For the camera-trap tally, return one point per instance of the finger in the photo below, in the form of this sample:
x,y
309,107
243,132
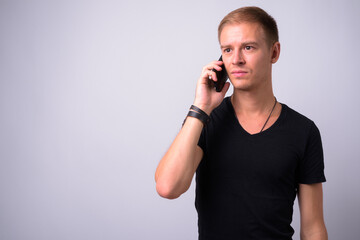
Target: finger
x,y
213,65
212,75
208,74
217,65
225,88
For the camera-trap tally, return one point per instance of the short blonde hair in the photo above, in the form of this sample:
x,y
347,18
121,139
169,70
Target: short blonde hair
x,y
252,15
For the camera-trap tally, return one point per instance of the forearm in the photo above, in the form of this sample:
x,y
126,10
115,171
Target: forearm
x,y
311,212
320,234
176,169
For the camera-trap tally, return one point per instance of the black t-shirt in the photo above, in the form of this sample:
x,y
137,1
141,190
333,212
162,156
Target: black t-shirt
x,y
246,184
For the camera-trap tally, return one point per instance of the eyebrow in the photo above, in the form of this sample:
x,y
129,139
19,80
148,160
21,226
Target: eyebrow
x,y
242,44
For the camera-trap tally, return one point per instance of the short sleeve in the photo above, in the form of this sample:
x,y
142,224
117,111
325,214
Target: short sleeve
x,y
202,140
311,169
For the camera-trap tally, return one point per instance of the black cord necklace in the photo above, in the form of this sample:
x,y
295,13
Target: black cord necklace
x,y
269,116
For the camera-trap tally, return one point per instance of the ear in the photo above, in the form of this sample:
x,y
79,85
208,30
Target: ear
x,y
275,52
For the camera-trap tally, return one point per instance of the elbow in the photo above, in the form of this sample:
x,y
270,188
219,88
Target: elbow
x,y
166,191
315,231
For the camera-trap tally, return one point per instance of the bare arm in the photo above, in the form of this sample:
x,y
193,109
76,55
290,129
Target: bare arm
x,y
311,212
176,169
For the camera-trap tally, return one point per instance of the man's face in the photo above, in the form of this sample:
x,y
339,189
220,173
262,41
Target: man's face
x,y
247,55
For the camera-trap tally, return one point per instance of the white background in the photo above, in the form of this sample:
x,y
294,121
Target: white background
x,y
93,92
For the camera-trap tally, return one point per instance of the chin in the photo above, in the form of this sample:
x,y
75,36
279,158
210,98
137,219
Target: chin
x,y
241,84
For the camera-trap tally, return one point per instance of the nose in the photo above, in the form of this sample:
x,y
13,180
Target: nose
x,y
238,58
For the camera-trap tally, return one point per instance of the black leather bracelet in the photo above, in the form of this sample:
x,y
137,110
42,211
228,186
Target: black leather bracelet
x,y
199,114
198,110
203,118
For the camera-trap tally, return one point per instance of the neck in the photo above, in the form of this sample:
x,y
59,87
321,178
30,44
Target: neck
x,y
251,103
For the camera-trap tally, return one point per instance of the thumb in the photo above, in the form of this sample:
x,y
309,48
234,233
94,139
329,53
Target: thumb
x,y
225,88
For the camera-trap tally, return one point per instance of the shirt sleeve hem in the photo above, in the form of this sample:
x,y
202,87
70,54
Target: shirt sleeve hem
x,y
313,180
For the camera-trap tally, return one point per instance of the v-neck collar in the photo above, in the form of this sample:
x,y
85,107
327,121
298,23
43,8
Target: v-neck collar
x,y
269,129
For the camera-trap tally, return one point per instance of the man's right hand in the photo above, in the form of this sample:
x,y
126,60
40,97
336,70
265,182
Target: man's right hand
x,y
206,97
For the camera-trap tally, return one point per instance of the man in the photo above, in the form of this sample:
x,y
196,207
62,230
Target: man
x,y
253,155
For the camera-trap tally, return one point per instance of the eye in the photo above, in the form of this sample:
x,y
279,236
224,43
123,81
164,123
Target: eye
x,y
249,48
227,50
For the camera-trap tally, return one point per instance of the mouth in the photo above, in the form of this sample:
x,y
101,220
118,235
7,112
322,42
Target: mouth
x,y
238,73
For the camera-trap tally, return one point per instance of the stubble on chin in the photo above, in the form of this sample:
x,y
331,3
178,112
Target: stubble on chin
x,y
243,85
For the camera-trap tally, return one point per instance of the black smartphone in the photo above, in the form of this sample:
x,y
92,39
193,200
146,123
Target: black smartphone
x,y
221,77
